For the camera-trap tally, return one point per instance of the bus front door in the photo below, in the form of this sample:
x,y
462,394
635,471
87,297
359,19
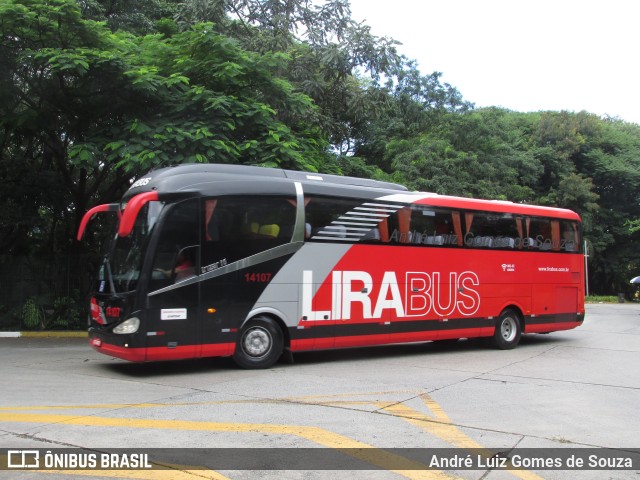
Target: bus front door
x,y
173,323
173,320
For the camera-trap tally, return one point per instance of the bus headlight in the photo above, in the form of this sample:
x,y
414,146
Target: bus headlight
x,y
128,326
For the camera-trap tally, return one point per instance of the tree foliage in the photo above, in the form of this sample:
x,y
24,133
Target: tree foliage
x,y
89,109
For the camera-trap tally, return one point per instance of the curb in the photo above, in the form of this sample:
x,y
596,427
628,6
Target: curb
x,y
52,334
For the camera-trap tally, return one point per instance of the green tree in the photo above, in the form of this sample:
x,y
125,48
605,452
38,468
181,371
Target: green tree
x,y
479,153
412,105
136,16
591,165
89,110
334,60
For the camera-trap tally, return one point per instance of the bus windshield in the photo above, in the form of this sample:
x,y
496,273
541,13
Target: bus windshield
x,y
121,267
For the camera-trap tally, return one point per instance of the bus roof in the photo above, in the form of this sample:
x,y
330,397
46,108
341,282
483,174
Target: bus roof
x,y
182,177
463,203
196,176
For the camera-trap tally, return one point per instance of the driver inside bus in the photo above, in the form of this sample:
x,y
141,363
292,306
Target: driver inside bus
x,y
184,268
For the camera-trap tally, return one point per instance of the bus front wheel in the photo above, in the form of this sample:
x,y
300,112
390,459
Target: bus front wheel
x,y
260,343
508,330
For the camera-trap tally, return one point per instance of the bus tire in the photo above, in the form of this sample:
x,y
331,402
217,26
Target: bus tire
x,y
508,330
260,344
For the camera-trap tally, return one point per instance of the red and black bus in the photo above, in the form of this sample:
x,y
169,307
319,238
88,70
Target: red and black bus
x,y
225,260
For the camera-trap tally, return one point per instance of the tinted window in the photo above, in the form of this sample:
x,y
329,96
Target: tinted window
x,y
371,221
237,227
547,234
421,225
348,219
177,251
491,230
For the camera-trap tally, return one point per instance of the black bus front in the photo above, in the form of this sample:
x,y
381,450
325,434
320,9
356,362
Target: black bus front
x,y
117,299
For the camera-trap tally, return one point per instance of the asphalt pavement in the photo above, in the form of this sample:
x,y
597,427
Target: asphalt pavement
x,y
381,410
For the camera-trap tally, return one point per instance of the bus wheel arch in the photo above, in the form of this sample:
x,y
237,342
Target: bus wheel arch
x,y
508,329
260,343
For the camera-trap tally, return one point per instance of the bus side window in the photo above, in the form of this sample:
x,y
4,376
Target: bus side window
x,y
540,232
570,236
492,230
344,220
429,226
237,227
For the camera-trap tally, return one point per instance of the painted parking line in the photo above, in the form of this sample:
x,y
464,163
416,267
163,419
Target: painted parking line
x,y
437,424
359,450
442,427
310,400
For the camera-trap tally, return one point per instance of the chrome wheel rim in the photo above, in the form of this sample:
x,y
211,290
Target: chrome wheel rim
x,y
508,329
256,342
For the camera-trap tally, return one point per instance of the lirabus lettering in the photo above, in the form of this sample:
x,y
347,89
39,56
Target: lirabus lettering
x,y
420,294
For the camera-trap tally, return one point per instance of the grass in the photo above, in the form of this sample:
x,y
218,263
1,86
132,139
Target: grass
x,y
601,299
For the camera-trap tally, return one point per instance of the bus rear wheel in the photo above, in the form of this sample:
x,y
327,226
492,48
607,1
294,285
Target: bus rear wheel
x,y
260,343
508,330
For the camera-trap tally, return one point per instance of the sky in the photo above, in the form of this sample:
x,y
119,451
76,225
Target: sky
x,y
522,55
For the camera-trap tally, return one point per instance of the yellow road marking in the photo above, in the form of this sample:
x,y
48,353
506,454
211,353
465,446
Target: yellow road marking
x,y
55,334
441,426
351,395
112,406
360,450
311,399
